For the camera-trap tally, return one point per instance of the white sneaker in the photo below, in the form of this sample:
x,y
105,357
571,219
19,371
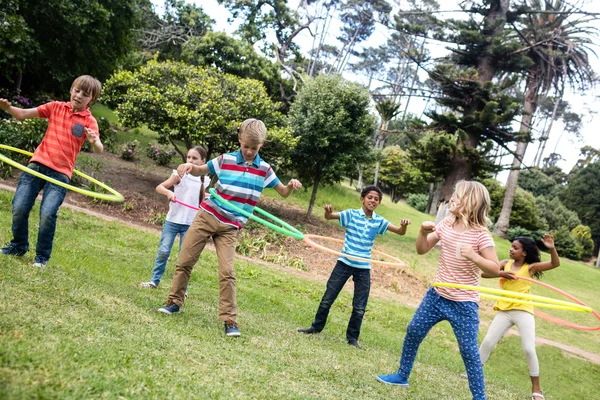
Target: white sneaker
x,y
39,264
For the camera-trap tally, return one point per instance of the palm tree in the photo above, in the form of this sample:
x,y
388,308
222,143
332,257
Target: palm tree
x,y
387,109
559,50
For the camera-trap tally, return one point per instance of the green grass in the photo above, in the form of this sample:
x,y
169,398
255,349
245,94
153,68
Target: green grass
x,y
81,328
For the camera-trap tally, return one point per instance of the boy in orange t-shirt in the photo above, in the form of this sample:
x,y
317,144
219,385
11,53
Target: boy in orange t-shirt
x,y
69,125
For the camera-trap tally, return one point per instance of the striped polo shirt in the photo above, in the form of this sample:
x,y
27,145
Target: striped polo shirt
x,y
64,137
453,268
240,183
360,235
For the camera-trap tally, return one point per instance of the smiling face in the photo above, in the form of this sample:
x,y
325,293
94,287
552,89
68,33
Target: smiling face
x,y
370,201
194,157
79,99
516,251
249,149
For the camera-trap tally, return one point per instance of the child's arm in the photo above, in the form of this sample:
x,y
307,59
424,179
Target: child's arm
x,y
94,140
162,188
18,113
487,260
192,169
426,238
285,191
501,273
329,214
554,262
399,230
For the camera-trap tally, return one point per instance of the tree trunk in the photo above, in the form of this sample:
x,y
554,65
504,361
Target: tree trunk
x,y
313,195
379,146
359,183
547,132
529,107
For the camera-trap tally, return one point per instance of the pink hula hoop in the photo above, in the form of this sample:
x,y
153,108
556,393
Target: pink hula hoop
x,y
559,321
185,204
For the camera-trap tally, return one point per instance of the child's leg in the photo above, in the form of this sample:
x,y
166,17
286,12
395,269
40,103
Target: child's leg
x,y
526,324
500,324
167,238
426,316
338,278
464,318
362,286
203,227
28,188
52,198
225,241
182,231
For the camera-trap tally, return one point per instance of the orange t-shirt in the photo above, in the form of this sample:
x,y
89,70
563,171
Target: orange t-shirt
x,y
64,137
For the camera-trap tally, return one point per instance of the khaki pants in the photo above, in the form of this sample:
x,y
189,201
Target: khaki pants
x,y
224,237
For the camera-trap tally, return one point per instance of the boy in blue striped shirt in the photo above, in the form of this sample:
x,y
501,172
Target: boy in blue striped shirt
x,y
362,225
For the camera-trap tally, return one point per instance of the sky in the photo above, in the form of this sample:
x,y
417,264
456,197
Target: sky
x,y
566,145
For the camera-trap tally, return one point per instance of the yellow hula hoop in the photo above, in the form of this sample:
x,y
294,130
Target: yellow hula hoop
x,y
508,295
532,303
115,196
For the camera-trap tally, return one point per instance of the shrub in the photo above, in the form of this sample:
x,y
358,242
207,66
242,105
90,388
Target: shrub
x,y
566,245
24,135
583,235
128,150
519,231
417,201
160,155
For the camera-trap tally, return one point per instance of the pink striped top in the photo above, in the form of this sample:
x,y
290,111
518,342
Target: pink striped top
x,y
455,269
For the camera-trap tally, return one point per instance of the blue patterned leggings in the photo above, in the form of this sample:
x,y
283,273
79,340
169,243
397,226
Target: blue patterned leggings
x,y
464,319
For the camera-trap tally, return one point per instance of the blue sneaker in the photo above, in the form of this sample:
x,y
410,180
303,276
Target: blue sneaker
x,y
11,250
231,328
171,308
392,379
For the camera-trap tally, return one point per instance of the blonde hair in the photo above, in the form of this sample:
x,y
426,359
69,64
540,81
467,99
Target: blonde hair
x,y
252,130
472,204
88,84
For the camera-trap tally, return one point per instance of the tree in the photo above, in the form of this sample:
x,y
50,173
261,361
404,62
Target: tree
x,y
559,57
387,109
581,196
193,104
331,120
399,175
537,182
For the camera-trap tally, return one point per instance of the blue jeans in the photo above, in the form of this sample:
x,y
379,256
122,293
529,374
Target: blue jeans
x,y
167,238
28,188
464,319
362,285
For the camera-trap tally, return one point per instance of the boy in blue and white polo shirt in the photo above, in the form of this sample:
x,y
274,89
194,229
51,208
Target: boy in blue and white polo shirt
x,y
362,225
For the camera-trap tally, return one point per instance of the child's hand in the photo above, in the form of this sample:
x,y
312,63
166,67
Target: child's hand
x,y
295,184
183,169
427,227
548,241
506,275
328,210
467,252
405,222
4,105
170,195
91,135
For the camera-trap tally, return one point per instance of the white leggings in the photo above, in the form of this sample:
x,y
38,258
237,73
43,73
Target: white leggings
x,y
501,323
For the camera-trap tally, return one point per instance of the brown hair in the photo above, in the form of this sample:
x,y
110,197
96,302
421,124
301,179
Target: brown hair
x,y
472,204
88,84
252,130
201,150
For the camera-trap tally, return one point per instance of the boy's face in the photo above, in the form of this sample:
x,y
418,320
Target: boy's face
x,y
80,99
249,149
370,201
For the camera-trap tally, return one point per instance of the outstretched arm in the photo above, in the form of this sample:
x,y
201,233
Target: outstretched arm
x,y
285,190
501,273
18,113
426,238
329,214
401,230
554,262
192,169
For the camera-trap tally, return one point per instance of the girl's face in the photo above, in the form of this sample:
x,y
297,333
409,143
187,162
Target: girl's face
x,y
454,202
516,251
195,158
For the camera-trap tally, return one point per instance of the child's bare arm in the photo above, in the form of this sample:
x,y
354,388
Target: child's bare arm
x,y
426,238
285,190
400,230
487,260
94,140
554,262
501,273
162,188
18,113
192,169
329,214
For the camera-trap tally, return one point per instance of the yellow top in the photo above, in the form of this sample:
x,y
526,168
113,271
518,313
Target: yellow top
x,y
515,285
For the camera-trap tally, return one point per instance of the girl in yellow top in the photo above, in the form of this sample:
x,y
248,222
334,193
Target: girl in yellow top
x,y
525,262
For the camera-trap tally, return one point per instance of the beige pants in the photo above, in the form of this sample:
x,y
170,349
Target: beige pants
x,y
224,237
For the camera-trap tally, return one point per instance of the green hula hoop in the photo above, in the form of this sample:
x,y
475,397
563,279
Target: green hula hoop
x,y
115,196
285,228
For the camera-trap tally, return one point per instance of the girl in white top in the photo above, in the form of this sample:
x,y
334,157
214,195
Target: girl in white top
x,y
188,189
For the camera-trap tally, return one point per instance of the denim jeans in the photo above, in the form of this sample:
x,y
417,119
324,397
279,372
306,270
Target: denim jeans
x,y
167,238
362,285
28,188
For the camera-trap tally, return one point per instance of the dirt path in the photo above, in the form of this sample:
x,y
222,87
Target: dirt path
x,y
382,293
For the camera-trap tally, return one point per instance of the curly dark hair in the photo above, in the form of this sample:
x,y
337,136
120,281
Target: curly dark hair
x,y
532,253
372,188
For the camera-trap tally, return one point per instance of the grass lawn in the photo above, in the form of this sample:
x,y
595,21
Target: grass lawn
x,y
81,328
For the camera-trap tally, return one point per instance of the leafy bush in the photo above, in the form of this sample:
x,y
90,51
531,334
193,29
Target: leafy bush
x,y
417,201
24,135
519,231
554,213
525,211
583,235
128,150
566,245
160,155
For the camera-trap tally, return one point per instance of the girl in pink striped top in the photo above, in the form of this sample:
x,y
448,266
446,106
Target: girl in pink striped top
x,y
467,249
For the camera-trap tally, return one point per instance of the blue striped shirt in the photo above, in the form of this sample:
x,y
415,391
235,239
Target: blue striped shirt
x,y
240,183
360,235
